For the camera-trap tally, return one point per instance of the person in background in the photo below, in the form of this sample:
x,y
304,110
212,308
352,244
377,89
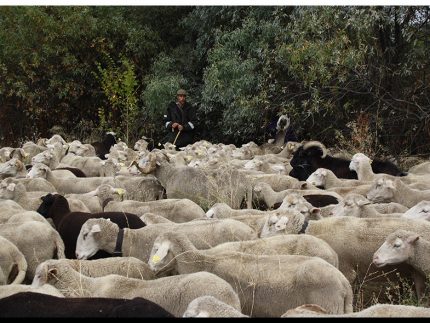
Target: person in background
x,y
180,121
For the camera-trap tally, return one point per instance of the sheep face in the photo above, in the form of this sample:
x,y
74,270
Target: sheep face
x,y
298,203
382,190
419,211
44,157
11,167
86,244
38,170
41,275
161,260
357,160
351,206
397,248
318,178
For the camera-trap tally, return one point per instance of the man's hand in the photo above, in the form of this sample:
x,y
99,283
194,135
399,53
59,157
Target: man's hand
x,y
174,125
180,127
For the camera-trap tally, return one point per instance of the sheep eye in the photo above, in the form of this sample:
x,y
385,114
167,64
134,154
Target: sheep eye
x,y
396,245
85,235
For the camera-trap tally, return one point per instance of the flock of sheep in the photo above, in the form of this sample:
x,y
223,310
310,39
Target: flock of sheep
x,y
210,230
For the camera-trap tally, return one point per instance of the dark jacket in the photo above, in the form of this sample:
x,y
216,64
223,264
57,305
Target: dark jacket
x,y
186,117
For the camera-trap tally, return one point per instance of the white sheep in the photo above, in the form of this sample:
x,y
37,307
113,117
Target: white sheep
x,y
102,234
420,211
7,208
363,236
140,188
36,240
286,244
297,202
18,193
13,265
387,190
265,193
152,218
420,169
209,306
325,178
125,266
223,211
32,149
205,187
177,210
362,164
358,206
172,293
377,310
404,246
96,199
259,280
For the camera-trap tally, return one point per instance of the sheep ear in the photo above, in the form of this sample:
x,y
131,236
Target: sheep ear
x,y
315,210
161,252
52,272
412,238
95,228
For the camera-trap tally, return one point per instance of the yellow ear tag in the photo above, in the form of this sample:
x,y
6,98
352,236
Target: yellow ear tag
x,y
155,259
120,191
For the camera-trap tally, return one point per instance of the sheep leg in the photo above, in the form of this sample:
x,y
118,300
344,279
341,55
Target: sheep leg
x,y
249,197
419,280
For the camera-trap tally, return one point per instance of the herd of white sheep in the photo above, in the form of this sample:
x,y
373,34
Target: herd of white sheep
x,y
228,232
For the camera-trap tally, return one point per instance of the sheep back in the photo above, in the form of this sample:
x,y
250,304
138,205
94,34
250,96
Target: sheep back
x,y
29,304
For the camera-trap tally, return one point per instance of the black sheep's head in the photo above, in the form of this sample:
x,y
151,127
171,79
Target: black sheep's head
x,y
47,201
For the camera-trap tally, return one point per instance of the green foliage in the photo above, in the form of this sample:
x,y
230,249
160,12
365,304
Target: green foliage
x,y
325,66
119,84
162,84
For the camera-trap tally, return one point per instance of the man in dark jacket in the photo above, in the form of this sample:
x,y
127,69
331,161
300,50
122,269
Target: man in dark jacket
x,y
180,121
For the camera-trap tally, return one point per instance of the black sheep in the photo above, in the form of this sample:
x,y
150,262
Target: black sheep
x,y
76,171
28,304
68,224
103,147
312,155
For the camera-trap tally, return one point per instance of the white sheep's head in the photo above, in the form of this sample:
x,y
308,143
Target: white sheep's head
x,y
38,170
11,167
419,211
318,178
41,275
160,259
351,205
357,160
89,237
381,191
397,248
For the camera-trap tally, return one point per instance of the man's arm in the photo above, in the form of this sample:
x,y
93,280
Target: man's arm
x,y
168,118
191,124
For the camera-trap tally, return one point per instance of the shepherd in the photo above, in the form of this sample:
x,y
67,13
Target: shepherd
x,y
180,120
